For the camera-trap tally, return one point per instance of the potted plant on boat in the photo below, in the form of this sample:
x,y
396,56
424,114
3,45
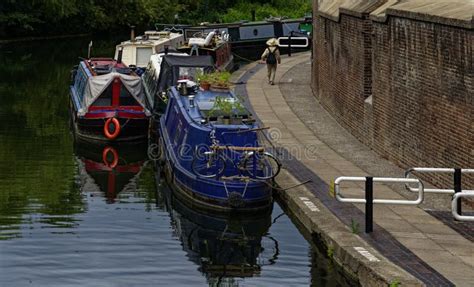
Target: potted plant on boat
x,y
227,112
220,81
204,80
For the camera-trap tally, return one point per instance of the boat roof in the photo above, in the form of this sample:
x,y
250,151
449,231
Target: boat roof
x,y
151,39
190,61
205,102
102,66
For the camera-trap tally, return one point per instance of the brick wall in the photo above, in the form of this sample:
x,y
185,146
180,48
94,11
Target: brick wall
x,y
420,76
344,62
423,94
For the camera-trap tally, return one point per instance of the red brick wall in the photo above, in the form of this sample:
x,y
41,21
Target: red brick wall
x,y
423,95
344,52
421,78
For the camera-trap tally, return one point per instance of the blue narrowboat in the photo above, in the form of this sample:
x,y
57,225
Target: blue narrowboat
x,y
212,153
107,102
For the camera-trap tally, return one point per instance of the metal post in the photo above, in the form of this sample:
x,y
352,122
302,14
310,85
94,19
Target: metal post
x,y
369,204
289,44
458,187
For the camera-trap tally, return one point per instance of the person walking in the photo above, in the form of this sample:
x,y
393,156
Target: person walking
x,y
271,56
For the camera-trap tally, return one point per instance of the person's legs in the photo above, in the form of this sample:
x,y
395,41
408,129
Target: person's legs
x,y
273,72
269,72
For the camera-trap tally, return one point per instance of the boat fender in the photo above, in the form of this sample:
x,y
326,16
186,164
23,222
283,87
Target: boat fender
x,y
115,159
112,135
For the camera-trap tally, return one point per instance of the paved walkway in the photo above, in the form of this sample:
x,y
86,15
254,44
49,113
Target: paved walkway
x,y
408,236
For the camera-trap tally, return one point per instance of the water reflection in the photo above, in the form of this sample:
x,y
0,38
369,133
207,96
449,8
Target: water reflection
x,y
223,247
109,169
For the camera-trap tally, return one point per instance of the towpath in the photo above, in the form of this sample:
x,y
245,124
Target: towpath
x,y
414,245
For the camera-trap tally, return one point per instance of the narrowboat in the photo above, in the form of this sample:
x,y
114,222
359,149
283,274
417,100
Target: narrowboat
x,y
138,50
107,102
212,153
245,35
215,44
108,170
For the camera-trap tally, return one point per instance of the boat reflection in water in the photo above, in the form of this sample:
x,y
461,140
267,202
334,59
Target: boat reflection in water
x,y
110,168
225,247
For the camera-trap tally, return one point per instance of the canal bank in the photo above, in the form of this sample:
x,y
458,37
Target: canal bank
x,y
408,245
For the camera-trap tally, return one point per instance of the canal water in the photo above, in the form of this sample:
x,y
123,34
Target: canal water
x,y
67,218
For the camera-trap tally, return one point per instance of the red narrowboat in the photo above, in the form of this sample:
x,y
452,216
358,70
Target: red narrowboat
x,y
107,102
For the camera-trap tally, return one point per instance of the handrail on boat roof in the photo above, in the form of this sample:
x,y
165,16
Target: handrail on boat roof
x,y
238,148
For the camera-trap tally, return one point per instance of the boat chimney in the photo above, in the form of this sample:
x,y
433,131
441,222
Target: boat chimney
x,y
167,48
119,57
253,15
89,50
132,33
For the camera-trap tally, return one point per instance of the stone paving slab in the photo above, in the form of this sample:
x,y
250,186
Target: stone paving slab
x,y
407,229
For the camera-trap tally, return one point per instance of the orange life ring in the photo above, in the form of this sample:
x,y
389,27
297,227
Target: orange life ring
x,y
115,159
107,132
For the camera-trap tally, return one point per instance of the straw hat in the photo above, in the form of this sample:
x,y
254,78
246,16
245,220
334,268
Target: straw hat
x,y
272,42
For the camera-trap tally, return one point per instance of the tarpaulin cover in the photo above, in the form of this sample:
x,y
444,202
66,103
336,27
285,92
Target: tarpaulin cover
x,y
96,86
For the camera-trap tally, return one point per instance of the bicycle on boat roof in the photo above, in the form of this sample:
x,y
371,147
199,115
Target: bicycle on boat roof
x,y
254,162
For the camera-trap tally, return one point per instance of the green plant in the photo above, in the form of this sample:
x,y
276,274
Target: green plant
x,y
354,226
223,107
395,283
203,77
220,79
330,252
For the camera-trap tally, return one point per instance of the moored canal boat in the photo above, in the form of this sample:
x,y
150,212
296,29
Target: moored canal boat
x,y
138,50
212,152
215,44
107,102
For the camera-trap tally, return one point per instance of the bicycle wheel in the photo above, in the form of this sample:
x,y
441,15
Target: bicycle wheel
x,y
208,164
261,165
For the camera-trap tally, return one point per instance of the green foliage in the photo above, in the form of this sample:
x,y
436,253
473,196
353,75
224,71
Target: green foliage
x,y
223,107
220,79
395,283
55,17
354,226
330,252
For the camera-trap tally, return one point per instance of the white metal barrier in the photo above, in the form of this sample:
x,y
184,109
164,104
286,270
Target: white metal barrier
x,y
455,206
458,192
409,172
294,39
369,190
417,201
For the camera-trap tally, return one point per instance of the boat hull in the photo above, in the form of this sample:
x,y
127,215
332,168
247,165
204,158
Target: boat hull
x,y
132,129
212,194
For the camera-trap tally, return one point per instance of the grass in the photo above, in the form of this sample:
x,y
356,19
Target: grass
x,y
355,226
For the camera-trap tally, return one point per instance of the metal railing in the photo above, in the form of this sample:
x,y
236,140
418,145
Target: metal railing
x,y
455,206
457,184
457,174
369,190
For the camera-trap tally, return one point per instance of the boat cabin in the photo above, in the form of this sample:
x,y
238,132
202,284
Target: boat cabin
x,y
137,51
164,71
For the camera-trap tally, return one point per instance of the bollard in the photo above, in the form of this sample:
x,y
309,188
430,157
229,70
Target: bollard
x,y
369,204
289,44
458,187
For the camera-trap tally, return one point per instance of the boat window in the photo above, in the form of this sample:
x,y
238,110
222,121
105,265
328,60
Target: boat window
x,y
105,99
143,55
149,80
80,83
190,73
126,99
